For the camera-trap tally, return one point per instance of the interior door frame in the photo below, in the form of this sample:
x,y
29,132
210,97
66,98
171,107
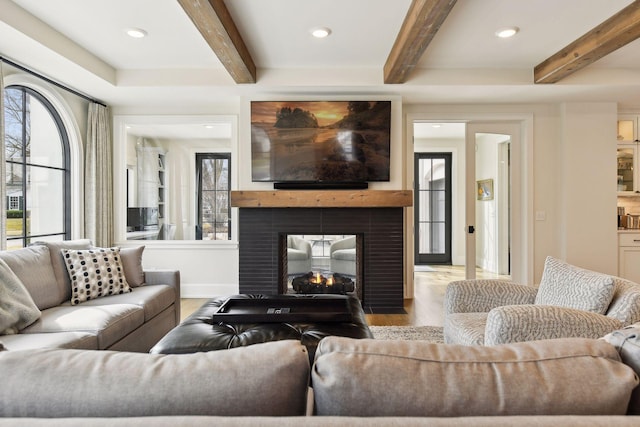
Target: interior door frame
x,y
502,128
524,220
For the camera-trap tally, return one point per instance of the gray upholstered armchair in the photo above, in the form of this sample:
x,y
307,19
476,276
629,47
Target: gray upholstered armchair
x,y
570,302
342,254
299,258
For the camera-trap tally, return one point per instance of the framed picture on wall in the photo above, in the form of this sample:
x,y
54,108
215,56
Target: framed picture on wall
x,y
485,189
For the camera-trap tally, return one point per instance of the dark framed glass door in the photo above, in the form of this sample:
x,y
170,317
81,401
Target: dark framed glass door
x,y
432,208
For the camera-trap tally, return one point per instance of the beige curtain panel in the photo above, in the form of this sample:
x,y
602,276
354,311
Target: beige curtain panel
x,y
98,186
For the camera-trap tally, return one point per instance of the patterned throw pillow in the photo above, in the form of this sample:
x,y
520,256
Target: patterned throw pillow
x,y
95,273
565,285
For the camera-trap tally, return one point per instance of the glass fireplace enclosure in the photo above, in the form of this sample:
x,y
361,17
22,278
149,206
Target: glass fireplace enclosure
x,y
320,258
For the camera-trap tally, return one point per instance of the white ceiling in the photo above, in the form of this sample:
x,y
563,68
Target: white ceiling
x,y
81,43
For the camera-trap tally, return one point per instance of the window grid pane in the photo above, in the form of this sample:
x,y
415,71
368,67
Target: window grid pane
x,y
213,192
432,199
37,197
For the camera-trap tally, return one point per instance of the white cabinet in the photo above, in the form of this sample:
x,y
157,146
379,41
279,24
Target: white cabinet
x,y
628,128
627,158
627,168
629,255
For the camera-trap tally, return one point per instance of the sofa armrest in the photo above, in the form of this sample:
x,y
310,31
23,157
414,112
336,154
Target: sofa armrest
x,y
165,277
300,244
346,243
517,323
482,295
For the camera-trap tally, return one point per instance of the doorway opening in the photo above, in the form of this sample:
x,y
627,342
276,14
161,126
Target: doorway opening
x,y
463,197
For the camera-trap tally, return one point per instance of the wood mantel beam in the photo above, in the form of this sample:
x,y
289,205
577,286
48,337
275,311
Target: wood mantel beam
x,y
420,26
612,34
212,19
322,199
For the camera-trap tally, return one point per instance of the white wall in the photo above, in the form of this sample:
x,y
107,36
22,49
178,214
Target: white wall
x,y
206,270
588,227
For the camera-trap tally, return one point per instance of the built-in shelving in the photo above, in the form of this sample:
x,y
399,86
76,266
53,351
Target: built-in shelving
x,y
161,185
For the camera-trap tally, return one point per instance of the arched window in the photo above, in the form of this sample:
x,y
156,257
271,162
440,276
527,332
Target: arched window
x,y
37,177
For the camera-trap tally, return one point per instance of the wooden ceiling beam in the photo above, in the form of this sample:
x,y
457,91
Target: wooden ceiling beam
x,y
213,20
421,24
612,34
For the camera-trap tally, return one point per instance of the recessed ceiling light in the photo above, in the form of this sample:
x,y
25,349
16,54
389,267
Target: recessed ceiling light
x,y
136,33
321,32
436,125
506,32
209,126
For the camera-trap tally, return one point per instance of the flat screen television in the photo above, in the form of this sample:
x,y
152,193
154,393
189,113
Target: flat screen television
x,y
320,141
139,219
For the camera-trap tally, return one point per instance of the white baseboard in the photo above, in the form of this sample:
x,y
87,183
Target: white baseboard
x,y
201,290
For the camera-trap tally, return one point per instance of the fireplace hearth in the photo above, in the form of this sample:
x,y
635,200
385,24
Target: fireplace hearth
x,y
382,283
375,215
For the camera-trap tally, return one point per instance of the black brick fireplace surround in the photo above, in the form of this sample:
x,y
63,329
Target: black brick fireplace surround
x,y
381,230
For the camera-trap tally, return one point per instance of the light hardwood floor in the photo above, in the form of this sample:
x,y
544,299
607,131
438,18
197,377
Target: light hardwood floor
x,y
424,309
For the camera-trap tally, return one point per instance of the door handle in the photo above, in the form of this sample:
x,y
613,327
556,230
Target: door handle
x,y
472,229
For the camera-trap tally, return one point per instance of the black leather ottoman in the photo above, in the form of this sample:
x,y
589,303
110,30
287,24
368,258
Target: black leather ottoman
x,y
199,332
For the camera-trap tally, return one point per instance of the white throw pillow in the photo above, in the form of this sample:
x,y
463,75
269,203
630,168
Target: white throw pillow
x,y
565,285
95,273
17,309
132,263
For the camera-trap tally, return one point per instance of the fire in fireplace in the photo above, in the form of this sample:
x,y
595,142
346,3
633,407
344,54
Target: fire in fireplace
x,y
311,283
328,264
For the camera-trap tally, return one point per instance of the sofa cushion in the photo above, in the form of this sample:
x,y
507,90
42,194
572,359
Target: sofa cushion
x,y
33,267
571,376
58,264
77,340
152,299
465,328
566,285
109,322
269,379
17,309
132,263
95,273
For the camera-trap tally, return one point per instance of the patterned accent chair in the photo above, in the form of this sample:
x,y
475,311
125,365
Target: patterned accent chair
x,y
569,302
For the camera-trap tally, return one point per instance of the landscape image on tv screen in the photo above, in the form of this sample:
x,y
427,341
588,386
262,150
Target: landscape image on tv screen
x,y
327,141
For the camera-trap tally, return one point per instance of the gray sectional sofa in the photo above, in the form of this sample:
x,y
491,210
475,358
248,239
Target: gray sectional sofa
x,y
131,321
568,382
